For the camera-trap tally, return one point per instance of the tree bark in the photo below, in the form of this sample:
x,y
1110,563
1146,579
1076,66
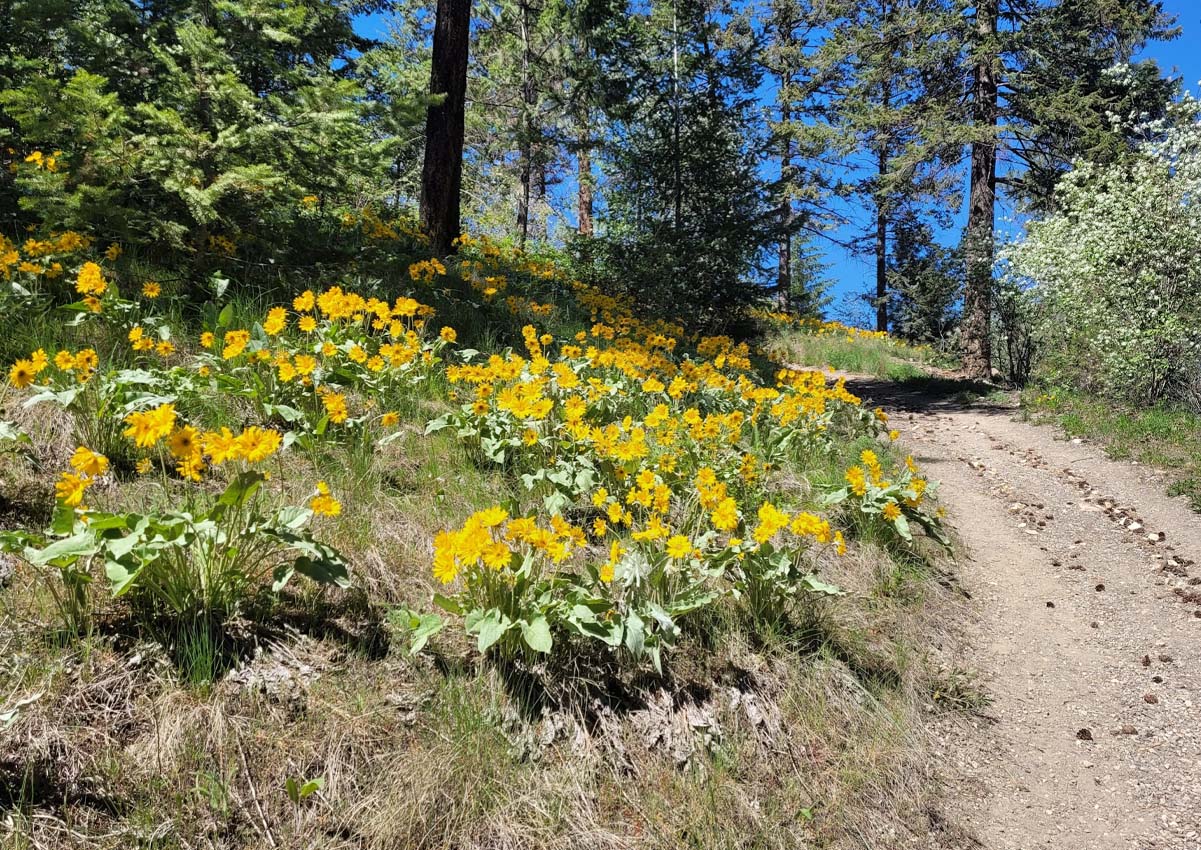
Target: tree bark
x,y
584,171
442,170
526,152
784,260
881,259
982,192
882,210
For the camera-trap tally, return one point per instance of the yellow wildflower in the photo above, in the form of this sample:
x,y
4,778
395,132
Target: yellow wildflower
x,y
87,462
323,504
21,374
147,427
70,487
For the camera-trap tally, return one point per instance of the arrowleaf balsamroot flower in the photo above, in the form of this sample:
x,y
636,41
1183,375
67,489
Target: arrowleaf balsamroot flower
x,y
147,427
323,504
87,462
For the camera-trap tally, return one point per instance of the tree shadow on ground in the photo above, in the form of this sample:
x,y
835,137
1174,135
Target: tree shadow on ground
x,y
934,394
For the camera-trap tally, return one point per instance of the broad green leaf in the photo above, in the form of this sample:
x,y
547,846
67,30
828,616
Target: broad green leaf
x,y
311,787
447,604
815,584
284,412
426,627
491,628
537,634
325,570
241,488
10,432
63,551
119,547
635,634
292,517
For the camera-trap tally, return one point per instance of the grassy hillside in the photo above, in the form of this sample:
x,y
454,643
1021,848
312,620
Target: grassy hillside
x,y
425,555
833,345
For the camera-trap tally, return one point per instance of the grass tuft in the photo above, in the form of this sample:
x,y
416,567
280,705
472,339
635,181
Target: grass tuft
x,y
1161,436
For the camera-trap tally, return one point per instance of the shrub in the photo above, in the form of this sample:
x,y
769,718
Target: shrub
x,y
1114,269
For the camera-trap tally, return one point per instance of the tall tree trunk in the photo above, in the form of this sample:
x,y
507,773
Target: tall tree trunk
x,y
584,171
442,170
526,152
784,259
677,187
881,261
541,223
882,210
982,192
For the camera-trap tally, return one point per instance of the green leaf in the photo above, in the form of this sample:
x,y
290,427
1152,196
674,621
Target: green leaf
x,y
437,424
226,315
241,489
491,627
10,432
63,520
120,577
815,584
281,575
448,605
292,517
426,627
98,521
284,412
119,547
328,568
537,634
635,634
61,552
17,541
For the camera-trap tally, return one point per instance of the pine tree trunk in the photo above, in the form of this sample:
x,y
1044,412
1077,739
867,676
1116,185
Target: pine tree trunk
x,y
584,170
784,260
526,152
881,267
882,230
982,191
442,170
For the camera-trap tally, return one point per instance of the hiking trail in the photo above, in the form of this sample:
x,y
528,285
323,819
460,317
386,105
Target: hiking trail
x,y
1085,632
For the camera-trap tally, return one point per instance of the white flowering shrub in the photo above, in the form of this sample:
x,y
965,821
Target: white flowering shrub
x,y
1116,271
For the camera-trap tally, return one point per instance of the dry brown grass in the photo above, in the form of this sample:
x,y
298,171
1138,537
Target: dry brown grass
x,y
810,737
813,739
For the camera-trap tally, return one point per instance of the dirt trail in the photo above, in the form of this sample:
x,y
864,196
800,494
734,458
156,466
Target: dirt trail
x,y
1087,634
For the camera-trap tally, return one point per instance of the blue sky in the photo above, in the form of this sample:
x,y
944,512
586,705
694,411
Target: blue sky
x,y
852,274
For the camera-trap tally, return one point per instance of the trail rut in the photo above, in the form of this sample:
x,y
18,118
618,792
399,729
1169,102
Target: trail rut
x,y
1086,633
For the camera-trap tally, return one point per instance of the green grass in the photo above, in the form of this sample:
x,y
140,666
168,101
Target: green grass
x,y
880,358
1161,436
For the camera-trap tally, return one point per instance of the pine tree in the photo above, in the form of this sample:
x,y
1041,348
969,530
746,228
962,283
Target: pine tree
x,y
801,132
1042,92
686,218
181,119
896,105
925,284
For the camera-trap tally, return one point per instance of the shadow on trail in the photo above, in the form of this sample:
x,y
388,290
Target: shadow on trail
x,y
933,394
